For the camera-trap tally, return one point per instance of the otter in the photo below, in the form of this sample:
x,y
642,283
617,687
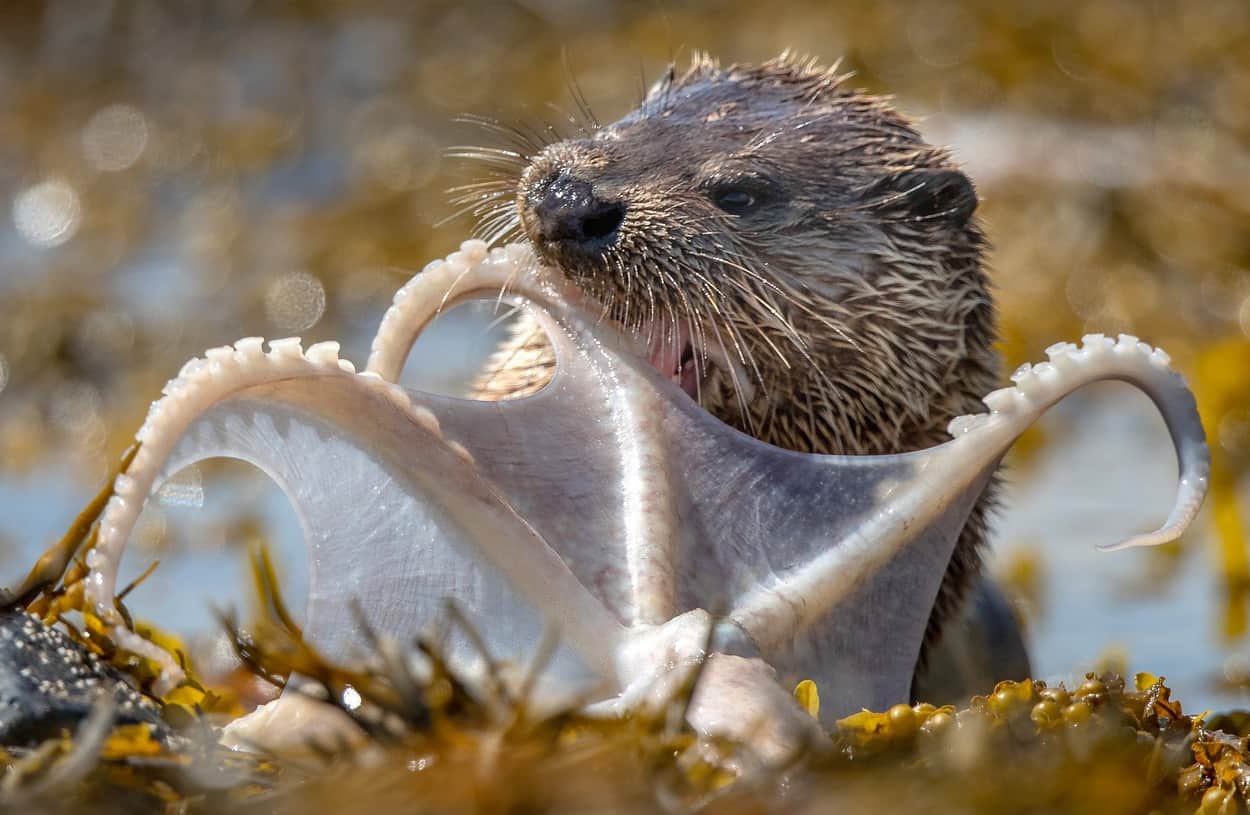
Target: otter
x,y
797,257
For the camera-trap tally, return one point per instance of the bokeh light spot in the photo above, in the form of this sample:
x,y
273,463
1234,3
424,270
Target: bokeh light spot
x,y
105,335
1233,432
295,302
115,138
48,213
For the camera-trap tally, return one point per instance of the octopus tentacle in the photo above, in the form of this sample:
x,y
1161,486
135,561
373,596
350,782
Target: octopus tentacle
x,y
777,610
226,373
473,271
1127,359
200,383
608,502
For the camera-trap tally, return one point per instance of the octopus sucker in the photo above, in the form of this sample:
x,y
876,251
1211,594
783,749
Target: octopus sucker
x,y
608,505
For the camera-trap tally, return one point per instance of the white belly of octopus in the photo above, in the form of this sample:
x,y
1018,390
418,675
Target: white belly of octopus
x,y
609,505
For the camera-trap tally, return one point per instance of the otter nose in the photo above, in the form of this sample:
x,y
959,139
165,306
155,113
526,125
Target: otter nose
x,y
571,215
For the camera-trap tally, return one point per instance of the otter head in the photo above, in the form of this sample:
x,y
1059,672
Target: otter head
x,y
793,252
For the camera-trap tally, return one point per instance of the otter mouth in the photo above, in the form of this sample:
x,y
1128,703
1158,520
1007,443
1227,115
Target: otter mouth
x,y
672,353
681,354
684,351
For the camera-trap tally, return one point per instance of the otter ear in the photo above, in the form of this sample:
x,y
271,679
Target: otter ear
x,y
946,196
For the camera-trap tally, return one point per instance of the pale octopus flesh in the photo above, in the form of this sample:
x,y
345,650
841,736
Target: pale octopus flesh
x,y
609,506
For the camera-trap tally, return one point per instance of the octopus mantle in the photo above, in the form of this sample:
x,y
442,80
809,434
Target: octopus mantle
x,y
609,505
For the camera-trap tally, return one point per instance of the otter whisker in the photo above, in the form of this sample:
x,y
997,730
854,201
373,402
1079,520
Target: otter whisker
x,y
627,272
624,276
816,373
552,132
744,288
479,206
791,298
490,219
670,313
476,152
507,131
578,126
482,193
492,200
483,207
502,318
785,325
451,289
468,209
622,273
486,207
668,308
696,334
748,361
497,209
494,182
497,221
649,294
507,282
609,303
504,233
754,275
748,358
502,363
708,289
546,136
696,323
579,98
657,98
499,163
505,182
698,356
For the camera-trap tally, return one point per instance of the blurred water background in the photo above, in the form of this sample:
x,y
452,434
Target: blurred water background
x,y
176,174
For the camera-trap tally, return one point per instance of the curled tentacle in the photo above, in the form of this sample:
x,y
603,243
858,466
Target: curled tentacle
x,y
381,421
1038,387
200,383
470,270
609,502
936,492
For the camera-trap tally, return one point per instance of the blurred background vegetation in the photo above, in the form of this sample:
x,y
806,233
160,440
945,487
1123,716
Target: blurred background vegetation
x,y
175,174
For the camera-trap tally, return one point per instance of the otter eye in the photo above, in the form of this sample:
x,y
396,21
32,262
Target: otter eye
x,y
735,200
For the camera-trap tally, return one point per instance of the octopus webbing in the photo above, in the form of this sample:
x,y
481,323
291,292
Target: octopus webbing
x,y
608,505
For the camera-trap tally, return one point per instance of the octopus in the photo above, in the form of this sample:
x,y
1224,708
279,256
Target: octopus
x,y
608,508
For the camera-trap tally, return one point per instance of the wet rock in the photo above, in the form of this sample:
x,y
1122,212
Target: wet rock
x,y
48,683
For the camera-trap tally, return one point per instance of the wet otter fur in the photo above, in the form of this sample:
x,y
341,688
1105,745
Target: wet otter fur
x,y
800,260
